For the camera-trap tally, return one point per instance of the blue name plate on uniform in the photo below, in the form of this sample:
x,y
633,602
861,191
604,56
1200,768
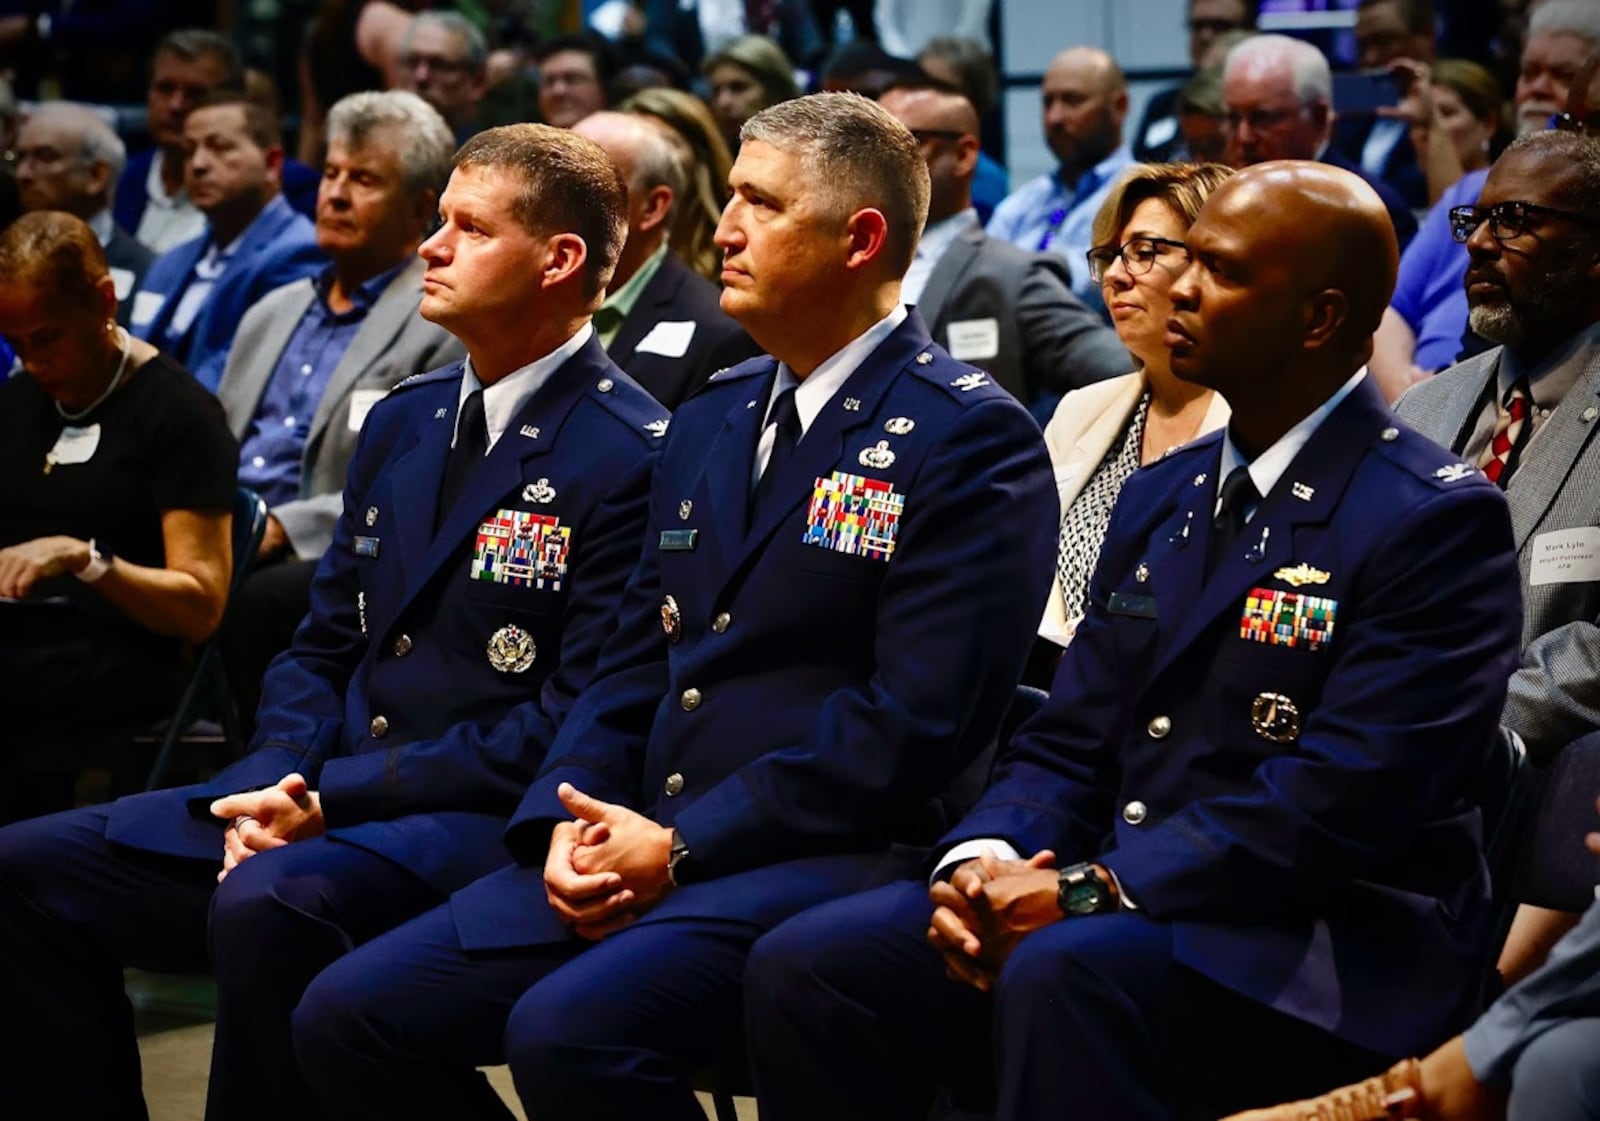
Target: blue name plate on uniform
x,y
678,540
366,546
1140,607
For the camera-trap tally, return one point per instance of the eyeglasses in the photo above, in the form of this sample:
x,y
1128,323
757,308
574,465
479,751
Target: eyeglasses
x,y
923,135
1138,256
411,60
1589,124
1508,220
1259,120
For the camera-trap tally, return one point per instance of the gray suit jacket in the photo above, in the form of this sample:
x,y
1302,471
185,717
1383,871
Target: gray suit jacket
x,y
1012,314
1555,695
393,343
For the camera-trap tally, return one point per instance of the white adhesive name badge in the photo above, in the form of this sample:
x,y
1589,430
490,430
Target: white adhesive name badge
x,y
972,340
361,402
670,339
122,279
1566,556
75,445
145,306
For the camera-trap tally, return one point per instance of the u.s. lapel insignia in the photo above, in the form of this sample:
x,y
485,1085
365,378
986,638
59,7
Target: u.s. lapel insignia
x,y
878,458
1275,717
899,425
440,414
511,649
541,492
671,619
1200,479
522,549
1303,492
1293,619
361,611
1142,573
1301,575
977,379
372,515
852,404
1454,472
657,427
685,508
529,431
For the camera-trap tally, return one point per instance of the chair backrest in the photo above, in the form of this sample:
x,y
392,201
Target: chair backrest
x,y
249,526
1553,868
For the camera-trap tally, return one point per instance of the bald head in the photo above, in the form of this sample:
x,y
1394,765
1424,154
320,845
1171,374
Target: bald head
x,y
68,159
1085,102
1292,265
655,176
946,128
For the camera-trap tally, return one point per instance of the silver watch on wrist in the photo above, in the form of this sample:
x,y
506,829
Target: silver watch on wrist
x,y
99,564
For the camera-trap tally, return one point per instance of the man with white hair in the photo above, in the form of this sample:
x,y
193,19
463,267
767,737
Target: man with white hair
x,y
69,159
1277,96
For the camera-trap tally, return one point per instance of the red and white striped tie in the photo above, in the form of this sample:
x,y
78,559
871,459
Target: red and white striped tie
x,y
1496,460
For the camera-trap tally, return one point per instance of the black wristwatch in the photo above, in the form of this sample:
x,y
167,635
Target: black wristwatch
x,y
675,859
1084,890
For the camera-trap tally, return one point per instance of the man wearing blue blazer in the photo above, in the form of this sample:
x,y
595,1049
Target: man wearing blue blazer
x,y
492,512
194,296
832,606
1240,845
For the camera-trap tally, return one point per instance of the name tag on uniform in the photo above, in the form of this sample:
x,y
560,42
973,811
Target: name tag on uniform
x,y
972,340
1124,603
678,540
366,546
361,402
1565,556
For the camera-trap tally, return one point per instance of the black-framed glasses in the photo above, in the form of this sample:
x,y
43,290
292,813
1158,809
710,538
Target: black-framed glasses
x,y
1139,255
923,135
1588,124
1508,220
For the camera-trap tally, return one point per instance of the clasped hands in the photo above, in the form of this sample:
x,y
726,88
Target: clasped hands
x,y
267,819
606,867
986,908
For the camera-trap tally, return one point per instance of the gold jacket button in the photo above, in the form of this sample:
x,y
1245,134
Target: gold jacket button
x,y
379,727
1135,812
1159,727
674,785
690,700
720,623
402,646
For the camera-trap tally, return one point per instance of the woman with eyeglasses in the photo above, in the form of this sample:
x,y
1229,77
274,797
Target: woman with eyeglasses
x,y
1102,433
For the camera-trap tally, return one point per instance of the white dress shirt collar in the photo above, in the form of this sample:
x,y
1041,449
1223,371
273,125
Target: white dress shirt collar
x,y
930,247
1268,467
505,398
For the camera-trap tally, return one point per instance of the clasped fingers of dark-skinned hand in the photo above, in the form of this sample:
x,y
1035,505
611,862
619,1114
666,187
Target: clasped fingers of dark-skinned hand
x,y
953,927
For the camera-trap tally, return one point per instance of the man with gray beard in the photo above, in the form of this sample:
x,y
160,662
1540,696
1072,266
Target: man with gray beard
x,y
1527,411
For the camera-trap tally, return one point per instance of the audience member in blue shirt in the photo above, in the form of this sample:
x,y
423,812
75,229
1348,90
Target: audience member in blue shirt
x,y
1085,103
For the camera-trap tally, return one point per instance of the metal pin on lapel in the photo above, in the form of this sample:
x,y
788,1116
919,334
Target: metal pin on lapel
x,y
1259,551
1180,540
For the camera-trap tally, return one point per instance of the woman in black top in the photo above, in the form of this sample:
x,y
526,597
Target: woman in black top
x,y
116,485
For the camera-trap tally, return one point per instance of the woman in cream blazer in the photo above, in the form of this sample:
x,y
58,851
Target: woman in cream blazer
x,y
1100,434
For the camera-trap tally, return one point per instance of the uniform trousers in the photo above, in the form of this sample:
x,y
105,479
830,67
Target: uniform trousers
x,y
607,1031
1541,1040
850,1015
75,909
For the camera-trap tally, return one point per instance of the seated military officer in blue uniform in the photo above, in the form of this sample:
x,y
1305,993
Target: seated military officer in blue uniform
x,y
834,600
1239,846
493,511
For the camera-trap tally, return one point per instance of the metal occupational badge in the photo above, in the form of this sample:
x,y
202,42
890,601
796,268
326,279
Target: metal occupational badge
x,y
523,549
854,515
541,492
1301,575
685,508
372,515
511,649
1142,573
1280,618
878,458
899,425
1275,717
671,619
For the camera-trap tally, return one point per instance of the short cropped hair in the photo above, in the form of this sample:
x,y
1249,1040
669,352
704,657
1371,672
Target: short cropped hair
x,y
56,253
974,64
568,185
1313,81
425,143
1567,17
1581,155
100,142
475,48
194,43
656,163
259,123
1183,187
855,154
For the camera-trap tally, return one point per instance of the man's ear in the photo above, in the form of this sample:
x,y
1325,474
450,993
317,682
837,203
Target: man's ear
x,y
567,256
868,232
1325,315
657,207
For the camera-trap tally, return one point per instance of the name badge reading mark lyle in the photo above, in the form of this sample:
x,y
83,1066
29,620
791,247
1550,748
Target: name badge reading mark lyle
x,y
1565,556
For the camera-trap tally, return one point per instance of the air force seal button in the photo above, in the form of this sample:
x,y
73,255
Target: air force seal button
x,y
879,457
511,649
1275,717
